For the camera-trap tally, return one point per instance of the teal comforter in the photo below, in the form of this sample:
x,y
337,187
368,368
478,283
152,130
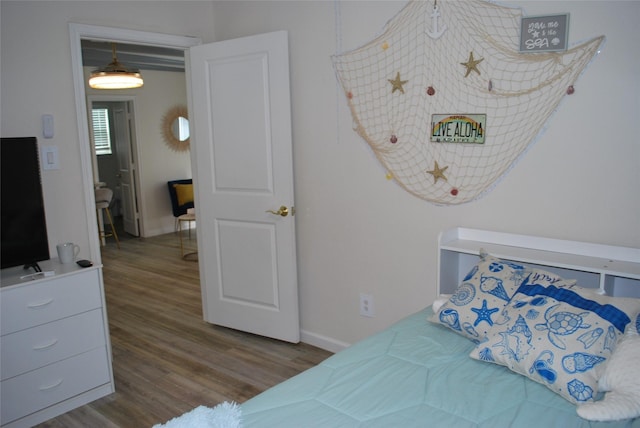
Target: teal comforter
x,y
413,374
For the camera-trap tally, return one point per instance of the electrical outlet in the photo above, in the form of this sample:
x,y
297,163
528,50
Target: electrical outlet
x,y
366,305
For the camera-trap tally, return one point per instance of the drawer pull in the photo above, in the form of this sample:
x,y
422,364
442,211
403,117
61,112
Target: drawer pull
x,y
39,304
53,385
51,343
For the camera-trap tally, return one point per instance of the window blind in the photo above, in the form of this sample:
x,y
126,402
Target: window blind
x,y
101,134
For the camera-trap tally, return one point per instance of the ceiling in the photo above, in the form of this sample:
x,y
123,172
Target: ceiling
x,y
98,54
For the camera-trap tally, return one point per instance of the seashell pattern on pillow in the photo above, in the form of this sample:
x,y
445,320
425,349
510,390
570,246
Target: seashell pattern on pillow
x,y
621,380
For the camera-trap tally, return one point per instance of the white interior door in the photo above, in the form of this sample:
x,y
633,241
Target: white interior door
x,y
126,167
242,158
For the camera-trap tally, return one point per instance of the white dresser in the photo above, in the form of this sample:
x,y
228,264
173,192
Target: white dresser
x,y
55,353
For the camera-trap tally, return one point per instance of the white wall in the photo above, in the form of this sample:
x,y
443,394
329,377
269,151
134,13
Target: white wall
x,y
157,162
357,231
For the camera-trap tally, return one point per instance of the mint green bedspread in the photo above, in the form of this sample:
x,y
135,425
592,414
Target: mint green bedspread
x,y
413,374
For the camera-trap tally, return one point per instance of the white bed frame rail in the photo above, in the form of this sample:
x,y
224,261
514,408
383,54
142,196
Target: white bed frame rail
x,y
612,270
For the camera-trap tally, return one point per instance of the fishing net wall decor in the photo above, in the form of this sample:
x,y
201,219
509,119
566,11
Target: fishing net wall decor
x,y
448,58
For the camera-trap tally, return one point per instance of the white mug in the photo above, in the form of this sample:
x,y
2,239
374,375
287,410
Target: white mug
x,y
67,252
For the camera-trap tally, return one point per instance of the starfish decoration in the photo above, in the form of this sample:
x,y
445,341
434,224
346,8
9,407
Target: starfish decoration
x,y
438,172
484,313
472,64
397,83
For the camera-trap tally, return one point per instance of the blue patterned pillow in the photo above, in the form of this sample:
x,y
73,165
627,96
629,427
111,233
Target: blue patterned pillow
x,y
478,301
559,337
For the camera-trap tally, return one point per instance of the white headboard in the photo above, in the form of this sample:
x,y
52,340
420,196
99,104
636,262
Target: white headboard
x,y
614,271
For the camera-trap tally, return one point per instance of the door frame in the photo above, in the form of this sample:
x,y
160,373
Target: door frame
x,y
133,148
78,32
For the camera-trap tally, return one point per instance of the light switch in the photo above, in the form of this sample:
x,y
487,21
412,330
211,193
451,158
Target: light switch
x,y
47,125
50,158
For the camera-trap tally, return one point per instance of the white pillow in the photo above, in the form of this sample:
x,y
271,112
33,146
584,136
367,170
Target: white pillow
x,y
441,300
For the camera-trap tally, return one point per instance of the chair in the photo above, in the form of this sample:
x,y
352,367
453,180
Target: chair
x,y
181,194
103,200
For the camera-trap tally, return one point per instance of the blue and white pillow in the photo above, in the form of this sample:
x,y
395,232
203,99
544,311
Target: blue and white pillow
x,y
559,337
477,304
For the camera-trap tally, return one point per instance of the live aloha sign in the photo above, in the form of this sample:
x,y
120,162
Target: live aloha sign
x,y
458,128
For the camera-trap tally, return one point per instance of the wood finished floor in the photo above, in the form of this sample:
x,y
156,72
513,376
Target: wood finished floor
x,y
166,359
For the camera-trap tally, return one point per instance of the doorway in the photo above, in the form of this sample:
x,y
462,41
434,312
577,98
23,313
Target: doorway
x,y
115,161
79,32
261,75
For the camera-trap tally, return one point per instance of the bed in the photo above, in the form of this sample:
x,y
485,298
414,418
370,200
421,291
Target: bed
x,y
528,345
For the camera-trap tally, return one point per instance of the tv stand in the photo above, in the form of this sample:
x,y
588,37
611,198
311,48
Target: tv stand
x,y
54,343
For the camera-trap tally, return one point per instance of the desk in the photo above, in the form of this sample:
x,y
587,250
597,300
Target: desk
x,y
188,218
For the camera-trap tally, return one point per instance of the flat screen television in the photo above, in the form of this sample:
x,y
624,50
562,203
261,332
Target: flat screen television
x,y
24,228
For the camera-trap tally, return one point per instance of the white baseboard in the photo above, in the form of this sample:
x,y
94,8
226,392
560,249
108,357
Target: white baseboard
x,y
159,231
323,342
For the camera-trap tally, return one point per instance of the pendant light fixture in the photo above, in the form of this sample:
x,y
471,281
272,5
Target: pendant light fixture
x,y
115,75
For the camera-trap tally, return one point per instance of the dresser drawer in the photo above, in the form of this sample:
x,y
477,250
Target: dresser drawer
x,y
32,304
39,346
30,392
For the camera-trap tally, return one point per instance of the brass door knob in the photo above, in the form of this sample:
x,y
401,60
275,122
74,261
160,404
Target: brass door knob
x,y
283,211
